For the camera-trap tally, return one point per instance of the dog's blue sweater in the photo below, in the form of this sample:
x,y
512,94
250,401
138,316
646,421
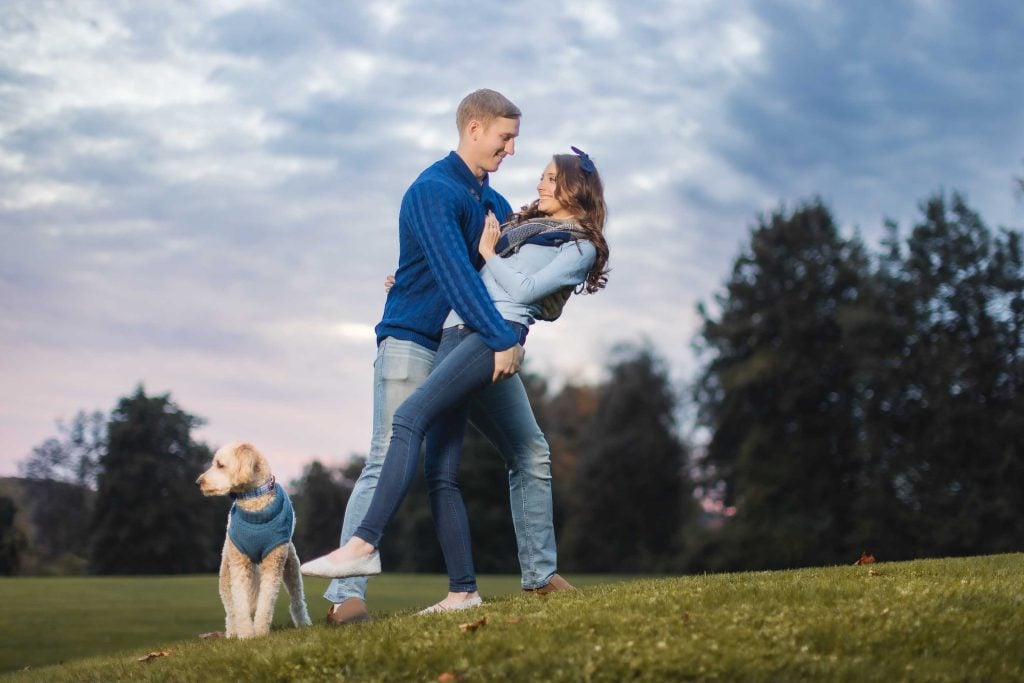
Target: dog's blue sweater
x,y
257,533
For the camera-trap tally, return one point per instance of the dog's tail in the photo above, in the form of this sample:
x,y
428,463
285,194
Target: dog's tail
x,y
293,583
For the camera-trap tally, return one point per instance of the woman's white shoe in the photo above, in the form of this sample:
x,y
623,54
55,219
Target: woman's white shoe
x,y
439,607
368,565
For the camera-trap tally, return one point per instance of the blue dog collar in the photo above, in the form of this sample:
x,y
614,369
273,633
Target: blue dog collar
x,y
256,492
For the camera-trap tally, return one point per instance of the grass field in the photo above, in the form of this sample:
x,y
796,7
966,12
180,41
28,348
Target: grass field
x,y
54,620
931,620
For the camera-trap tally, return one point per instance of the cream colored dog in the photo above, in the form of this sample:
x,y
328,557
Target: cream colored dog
x,y
258,552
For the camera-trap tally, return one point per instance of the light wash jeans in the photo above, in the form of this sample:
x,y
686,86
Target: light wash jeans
x,y
502,413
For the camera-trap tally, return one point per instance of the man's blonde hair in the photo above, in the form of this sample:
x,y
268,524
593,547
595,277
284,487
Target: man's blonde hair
x,y
484,106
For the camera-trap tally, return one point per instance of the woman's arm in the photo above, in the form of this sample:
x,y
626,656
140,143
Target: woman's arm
x,y
567,269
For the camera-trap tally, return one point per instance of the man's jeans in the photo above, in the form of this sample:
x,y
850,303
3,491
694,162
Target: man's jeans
x,y
502,413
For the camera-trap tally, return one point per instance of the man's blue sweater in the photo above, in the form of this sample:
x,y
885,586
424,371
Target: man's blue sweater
x,y
439,227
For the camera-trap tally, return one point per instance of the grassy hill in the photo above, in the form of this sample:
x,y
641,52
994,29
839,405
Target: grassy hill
x,y
949,619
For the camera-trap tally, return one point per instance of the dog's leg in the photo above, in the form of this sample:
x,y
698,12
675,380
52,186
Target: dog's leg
x,y
241,573
271,570
224,585
293,582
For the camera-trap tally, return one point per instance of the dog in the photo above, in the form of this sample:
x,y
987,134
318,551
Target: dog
x,y
258,551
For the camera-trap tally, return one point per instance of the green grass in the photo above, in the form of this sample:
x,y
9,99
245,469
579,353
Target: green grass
x,y
933,620
59,619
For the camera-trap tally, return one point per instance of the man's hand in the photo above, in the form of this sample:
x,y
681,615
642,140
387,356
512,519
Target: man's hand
x,y
507,362
389,282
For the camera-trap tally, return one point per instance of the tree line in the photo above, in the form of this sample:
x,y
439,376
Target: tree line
x,y
849,399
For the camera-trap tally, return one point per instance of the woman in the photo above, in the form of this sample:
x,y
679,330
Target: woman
x,y
556,242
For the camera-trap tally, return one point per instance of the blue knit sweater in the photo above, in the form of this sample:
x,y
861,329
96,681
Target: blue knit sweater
x,y
257,533
439,227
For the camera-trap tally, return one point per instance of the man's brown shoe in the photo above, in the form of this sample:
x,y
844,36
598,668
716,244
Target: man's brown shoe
x,y
557,583
351,611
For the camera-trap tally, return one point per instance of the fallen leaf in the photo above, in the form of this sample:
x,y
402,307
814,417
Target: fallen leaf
x,y
513,620
447,677
865,559
211,634
686,617
482,621
153,655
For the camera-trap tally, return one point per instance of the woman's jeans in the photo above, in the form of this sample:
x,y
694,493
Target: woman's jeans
x,y
439,411
502,413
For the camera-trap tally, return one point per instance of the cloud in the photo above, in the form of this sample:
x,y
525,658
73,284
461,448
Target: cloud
x,y
204,197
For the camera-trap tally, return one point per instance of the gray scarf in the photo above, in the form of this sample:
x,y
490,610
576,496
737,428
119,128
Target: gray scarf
x,y
543,231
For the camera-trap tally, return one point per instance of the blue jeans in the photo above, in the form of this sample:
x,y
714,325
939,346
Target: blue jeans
x,y
438,411
502,413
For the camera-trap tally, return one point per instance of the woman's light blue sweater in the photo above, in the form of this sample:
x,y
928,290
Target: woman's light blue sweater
x,y
517,283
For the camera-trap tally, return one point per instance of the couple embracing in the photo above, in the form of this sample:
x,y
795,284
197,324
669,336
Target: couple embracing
x,y
449,346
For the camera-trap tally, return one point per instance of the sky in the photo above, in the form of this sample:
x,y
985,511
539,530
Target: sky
x,y
202,197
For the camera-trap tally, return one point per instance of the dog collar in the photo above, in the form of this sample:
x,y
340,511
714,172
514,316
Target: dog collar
x,y
256,492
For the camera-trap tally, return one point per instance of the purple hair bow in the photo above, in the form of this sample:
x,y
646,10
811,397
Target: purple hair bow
x,y
586,165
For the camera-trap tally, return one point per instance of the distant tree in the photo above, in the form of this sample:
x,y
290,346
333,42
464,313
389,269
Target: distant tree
x,y
149,516
58,515
777,394
945,416
59,490
566,419
75,457
320,497
630,493
12,540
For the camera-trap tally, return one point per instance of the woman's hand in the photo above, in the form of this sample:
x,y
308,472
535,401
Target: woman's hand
x,y
389,282
490,235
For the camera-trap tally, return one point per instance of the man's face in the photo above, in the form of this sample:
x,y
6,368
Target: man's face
x,y
491,144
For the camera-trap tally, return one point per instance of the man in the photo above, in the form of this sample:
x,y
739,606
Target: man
x,y
440,222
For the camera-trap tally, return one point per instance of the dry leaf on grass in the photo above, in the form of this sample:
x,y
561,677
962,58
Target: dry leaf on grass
x,y
865,559
448,677
154,655
211,634
482,621
513,620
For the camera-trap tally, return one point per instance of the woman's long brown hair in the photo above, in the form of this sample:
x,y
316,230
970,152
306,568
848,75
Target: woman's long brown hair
x,y
582,193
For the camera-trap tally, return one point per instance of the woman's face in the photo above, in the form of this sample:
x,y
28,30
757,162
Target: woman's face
x,y
546,189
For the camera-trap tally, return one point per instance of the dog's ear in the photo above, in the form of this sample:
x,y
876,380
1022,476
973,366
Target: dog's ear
x,y
245,464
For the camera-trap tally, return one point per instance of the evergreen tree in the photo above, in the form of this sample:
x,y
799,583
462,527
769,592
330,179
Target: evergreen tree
x,y
777,394
149,516
630,494
952,393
